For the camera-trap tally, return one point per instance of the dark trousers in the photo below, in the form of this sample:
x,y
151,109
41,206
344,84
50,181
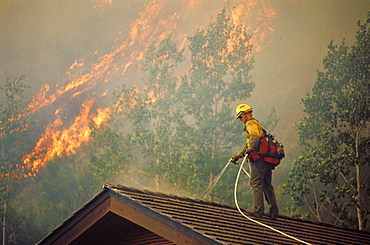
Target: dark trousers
x,y
260,181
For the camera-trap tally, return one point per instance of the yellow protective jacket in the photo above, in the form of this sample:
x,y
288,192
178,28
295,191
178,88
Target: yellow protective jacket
x,y
253,135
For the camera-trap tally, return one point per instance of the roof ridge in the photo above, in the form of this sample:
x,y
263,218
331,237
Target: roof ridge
x,y
162,194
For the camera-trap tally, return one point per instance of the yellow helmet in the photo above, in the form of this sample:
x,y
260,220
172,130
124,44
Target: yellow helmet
x,y
242,108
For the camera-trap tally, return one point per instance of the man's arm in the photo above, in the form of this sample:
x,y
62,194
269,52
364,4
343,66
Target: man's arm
x,y
254,134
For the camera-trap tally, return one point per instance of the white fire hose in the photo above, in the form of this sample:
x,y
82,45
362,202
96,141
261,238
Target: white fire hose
x,y
211,186
255,221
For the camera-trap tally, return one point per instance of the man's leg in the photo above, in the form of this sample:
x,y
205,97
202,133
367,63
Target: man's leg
x,y
258,170
270,193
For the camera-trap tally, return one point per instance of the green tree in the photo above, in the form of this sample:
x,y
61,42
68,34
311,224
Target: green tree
x,y
330,180
13,124
219,75
155,129
180,130
110,156
40,204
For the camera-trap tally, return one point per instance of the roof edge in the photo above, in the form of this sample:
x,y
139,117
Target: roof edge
x,y
166,219
75,217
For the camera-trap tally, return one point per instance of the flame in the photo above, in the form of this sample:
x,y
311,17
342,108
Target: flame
x,y
155,22
256,16
152,98
101,4
56,142
76,64
141,32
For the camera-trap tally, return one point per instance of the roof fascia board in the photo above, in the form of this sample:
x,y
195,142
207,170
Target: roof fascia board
x,y
110,201
80,221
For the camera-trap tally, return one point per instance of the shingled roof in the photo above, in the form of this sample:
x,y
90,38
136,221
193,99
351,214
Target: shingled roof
x,y
123,215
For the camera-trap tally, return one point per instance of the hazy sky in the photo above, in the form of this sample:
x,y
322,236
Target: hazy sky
x,y
303,30
42,39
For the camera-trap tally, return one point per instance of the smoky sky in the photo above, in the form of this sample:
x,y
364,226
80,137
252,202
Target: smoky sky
x,y
41,39
287,67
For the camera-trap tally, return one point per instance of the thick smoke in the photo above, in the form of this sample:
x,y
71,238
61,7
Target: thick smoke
x,y
44,39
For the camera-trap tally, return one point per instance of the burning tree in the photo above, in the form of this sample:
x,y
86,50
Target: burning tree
x,y
330,180
219,75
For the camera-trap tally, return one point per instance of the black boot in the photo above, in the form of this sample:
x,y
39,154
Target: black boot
x,y
272,216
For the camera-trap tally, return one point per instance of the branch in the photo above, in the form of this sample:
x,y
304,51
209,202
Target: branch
x,y
316,200
311,210
333,214
347,181
367,176
364,217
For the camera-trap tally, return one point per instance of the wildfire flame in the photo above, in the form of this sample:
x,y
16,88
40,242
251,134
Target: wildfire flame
x,y
154,23
57,142
259,27
101,4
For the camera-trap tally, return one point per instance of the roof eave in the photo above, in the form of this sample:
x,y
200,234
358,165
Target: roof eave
x,y
109,200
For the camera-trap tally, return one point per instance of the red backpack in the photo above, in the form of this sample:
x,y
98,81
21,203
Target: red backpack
x,y
270,149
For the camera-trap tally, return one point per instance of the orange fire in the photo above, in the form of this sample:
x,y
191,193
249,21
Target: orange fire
x,y
154,23
101,4
58,142
257,17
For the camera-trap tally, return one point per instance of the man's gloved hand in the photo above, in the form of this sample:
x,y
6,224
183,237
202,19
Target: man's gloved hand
x,y
248,151
235,158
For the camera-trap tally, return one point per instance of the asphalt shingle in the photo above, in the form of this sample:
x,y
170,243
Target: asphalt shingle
x,y
225,224
125,215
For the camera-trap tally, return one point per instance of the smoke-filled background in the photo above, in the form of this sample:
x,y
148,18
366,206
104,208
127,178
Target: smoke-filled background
x,y
73,50
74,53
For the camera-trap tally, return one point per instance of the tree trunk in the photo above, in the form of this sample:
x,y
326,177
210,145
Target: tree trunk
x,y
4,204
359,195
358,182
4,224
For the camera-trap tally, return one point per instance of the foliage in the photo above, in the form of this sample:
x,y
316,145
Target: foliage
x,y
109,154
219,75
330,180
180,129
41,204
12,147
177,132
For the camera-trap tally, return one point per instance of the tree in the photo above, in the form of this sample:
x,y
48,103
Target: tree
x,y
13,124
40,204
145,144
179,130
109,156
330,180
219,75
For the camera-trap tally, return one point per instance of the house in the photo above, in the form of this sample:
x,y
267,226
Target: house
x,y
123,215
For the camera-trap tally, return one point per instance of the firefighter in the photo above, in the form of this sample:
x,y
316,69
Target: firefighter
x,y
261,171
